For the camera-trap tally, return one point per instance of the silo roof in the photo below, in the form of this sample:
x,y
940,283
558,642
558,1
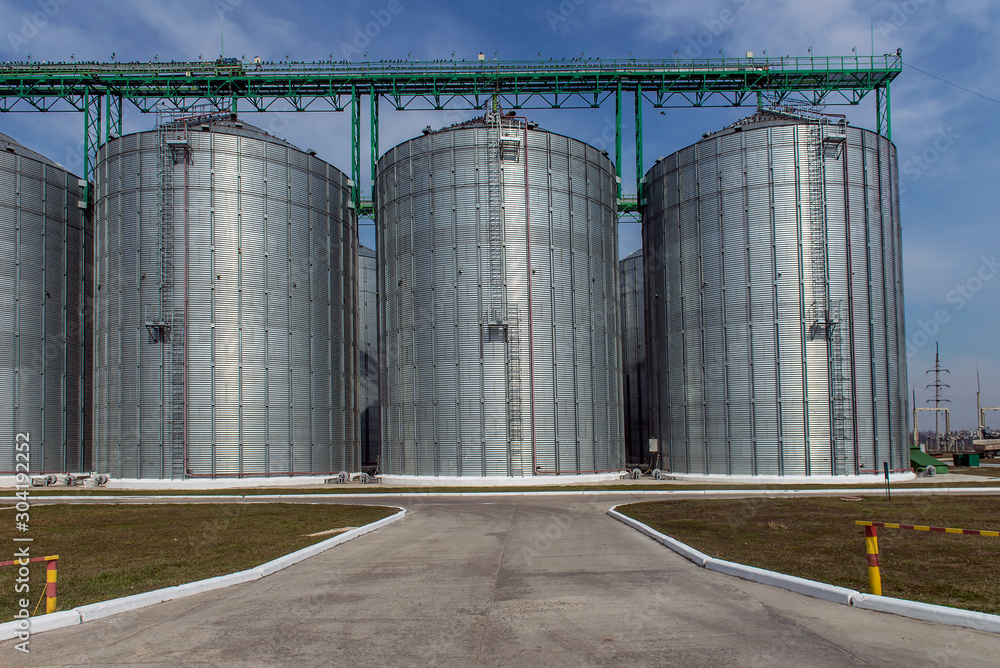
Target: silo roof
x,y
9,144
477,122
770,117
239,128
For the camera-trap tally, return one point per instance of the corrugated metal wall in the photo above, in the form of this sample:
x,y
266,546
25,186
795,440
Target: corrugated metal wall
x,y
746,380
445,406
42,316
271,346
368,368
633,316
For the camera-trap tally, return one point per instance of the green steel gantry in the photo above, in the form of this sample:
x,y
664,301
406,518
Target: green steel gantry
x,y
99,89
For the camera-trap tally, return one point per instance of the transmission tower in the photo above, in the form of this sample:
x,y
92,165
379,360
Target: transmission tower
x,y
938,386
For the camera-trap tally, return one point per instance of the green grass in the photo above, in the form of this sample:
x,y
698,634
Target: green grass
x,y
816,538
107,551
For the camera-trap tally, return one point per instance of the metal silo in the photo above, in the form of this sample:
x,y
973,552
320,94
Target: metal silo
x,y
226,304
774,291
500,337
368,371
633,315
42,269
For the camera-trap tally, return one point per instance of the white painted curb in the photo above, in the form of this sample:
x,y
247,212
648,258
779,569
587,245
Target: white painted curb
x,y
86,613
218,582
680,548
928,612
113,607
306,552
798,585
915,610
56,620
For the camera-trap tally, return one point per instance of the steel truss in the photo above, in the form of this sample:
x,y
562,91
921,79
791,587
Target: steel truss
x,y
440,85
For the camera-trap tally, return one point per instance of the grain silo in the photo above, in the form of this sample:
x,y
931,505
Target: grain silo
x,y
368,371
775,301
500,338
43,237
634,383
226,305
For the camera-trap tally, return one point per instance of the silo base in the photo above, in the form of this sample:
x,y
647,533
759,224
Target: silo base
x,y
498,481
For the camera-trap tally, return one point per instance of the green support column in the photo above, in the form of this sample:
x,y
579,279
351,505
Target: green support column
x,y
883,115
618,136
878,111
374,146
356,149
91,136
638,145
112,116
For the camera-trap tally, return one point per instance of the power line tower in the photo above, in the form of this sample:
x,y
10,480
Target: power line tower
x,y
938,386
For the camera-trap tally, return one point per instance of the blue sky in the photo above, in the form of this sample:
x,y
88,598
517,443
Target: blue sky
x,y
946,136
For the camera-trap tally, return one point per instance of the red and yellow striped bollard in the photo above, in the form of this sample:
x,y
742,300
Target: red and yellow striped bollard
x,y
51,571
871,548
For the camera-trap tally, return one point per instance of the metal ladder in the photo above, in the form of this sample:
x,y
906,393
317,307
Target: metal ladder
x,y
166,326
838,391
495,313
160,324
817,224
827,315
514,409
499,316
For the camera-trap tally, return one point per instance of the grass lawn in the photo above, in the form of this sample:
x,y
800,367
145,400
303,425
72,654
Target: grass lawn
x,y
816,538
108,551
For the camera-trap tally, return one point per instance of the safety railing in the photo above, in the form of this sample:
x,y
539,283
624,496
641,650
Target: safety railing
x,y
871,544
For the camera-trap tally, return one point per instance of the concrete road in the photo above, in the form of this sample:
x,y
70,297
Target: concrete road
x,y
504,581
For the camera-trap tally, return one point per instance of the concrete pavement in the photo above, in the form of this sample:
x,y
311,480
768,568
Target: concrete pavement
x,y
504,581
